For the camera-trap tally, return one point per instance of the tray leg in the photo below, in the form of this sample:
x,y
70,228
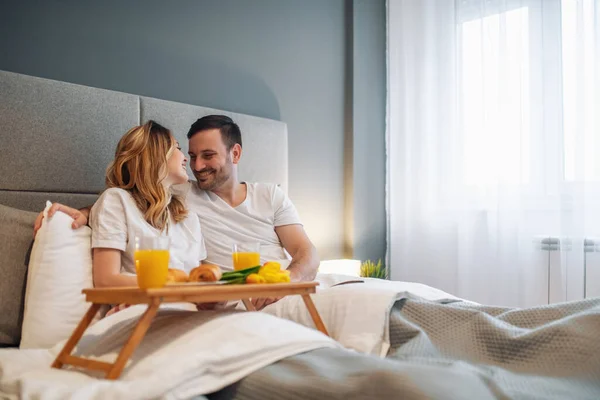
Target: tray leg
x,y
134,340
77,334
248,304
314,314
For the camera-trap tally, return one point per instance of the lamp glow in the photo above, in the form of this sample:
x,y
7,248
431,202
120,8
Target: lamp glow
x,y
342,266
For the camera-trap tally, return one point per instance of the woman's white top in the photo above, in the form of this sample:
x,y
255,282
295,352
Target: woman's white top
x,y
115,220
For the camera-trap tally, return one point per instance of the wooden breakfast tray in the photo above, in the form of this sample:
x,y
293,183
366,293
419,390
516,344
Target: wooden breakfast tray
x,y
171,294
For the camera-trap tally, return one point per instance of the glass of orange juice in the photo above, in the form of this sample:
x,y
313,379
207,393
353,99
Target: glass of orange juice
x,y
151,261
246,255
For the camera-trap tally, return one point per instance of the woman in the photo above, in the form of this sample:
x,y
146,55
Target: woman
x,y
139,201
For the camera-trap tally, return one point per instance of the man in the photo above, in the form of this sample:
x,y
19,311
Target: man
x,y
231,211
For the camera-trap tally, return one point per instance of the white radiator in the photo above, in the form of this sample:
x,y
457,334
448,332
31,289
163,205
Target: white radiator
x,y
573,270
592,268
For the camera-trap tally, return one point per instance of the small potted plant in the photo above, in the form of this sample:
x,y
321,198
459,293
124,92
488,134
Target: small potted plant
x,y
369,269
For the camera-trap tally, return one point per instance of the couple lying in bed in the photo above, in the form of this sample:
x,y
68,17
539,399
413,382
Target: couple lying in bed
x,y
217,211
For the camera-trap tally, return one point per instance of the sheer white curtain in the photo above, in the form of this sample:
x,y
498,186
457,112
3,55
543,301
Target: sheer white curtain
x,y
493,146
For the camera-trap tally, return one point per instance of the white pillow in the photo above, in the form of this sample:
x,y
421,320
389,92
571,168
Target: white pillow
x,y
59,268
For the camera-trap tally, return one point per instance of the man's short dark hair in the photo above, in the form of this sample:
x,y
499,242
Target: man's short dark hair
x,y
230,132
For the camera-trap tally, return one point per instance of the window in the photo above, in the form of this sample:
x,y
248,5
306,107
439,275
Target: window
x,y
579,66
495,97
528,92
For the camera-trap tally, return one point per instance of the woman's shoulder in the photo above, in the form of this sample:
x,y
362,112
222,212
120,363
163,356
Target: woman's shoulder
x,y
114,191
114,194
114,198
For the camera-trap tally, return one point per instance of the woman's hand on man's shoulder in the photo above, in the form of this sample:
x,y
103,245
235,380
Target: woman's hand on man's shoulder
x,y
80,217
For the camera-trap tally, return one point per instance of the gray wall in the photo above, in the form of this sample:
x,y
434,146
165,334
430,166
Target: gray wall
x,y
369,102
279,59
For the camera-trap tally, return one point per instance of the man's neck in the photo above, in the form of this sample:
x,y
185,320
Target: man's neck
x,y
233,193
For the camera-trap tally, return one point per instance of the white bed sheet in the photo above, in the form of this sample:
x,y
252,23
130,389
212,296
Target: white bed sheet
x,y
184,354
188,353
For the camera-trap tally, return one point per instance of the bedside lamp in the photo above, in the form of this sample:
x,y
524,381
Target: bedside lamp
x,y
342,266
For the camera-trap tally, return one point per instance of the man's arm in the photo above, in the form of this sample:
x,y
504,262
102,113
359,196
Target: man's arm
x,y
305,260
80,216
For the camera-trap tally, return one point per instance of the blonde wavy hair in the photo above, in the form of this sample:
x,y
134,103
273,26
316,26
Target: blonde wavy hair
x,y
140,165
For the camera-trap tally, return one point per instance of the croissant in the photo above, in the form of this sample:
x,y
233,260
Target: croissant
x,y
177,275
206,273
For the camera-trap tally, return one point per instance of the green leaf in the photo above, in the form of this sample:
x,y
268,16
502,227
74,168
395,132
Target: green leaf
x,y
230,277
239,276
243,272
236,281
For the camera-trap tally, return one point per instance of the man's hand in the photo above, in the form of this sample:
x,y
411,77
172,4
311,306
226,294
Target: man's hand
x,y
259,304
117,308
210,306
80,216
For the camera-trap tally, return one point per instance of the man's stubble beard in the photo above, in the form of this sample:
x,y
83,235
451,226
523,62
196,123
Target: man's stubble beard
x,y
219,180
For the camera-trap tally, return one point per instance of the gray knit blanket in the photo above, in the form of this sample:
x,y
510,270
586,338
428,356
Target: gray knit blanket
x,y
450,351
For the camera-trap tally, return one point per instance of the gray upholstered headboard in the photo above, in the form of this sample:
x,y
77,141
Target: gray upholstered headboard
x,y
57,138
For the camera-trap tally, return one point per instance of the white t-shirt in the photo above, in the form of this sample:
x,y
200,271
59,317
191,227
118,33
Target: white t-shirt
x,y
115,219
266,206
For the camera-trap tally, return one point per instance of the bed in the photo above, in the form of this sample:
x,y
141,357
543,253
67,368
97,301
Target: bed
x,y
57,139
